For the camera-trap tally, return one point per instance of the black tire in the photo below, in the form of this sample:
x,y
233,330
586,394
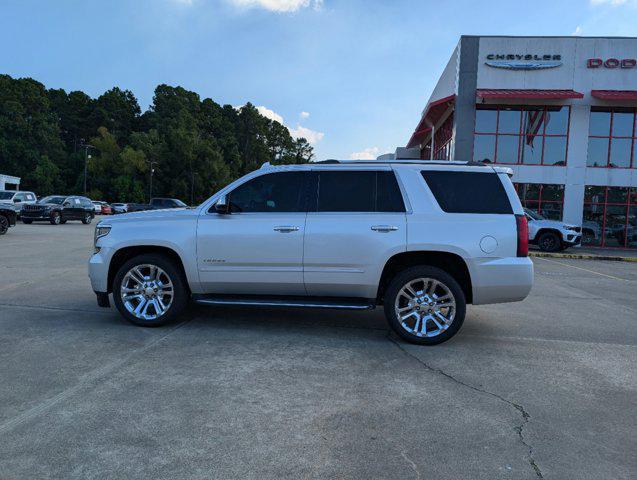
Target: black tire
x,y
180,290
63,221
549,242
4,224
55,218
425,272
87,219
27,222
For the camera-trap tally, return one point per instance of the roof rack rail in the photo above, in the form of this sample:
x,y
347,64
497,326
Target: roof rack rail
x,y
402,161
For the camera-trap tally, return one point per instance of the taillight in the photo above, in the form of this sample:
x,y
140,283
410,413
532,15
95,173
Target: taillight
x,y
523,235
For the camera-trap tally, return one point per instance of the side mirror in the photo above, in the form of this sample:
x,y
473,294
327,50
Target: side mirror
x,y
17,200
66,204
222,206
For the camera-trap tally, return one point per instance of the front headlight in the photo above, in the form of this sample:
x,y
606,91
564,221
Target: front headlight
x,y
571,227
100,231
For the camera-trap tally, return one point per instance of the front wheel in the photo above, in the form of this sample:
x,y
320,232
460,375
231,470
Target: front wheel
x,y
549,242
4,224
87,219
149,290
425,305
55,218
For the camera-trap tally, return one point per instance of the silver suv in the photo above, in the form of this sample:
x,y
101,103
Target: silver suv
x,y
421,239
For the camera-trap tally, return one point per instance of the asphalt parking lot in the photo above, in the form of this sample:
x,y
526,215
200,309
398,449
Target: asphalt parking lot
x,y
543,388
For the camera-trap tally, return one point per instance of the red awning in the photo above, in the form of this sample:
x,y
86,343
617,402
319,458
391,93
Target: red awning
x,y
434,111
615,94
528,94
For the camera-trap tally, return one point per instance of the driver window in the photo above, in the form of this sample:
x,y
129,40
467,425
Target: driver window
x,y
272,192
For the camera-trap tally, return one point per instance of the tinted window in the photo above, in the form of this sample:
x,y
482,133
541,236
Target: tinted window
x,y
468,192
273,192
388,196
359,191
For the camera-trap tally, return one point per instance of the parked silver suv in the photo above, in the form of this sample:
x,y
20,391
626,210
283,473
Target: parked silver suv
x,y
422,239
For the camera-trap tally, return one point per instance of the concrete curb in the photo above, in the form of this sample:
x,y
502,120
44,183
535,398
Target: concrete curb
x,y
583,256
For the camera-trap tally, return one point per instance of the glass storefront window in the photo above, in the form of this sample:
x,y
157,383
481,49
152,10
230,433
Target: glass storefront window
x,y
597,152
620,152
508,148
554,150
546,199
509,120
557,120
532,135
486,120
599,124
611,138
484,148
610,217
532,151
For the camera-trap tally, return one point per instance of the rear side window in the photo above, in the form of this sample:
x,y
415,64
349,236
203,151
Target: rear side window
x,y
359,191
468,192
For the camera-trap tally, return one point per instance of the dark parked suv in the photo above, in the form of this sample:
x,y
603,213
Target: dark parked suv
x,y
59,209
7,217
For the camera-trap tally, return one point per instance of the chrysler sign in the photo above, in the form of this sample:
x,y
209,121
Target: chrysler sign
x,y
514,61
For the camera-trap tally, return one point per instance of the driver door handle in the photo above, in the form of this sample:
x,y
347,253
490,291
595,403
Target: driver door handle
x,y
384,228
286,228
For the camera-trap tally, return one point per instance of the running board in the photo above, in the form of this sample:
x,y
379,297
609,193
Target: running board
x,y
300,302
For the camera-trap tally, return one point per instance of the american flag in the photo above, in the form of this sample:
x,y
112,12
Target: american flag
x,y
534,123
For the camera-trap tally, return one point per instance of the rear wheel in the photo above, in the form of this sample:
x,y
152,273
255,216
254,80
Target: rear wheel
x,y
4,224
149,290
425,305
55,218
26,221
549,242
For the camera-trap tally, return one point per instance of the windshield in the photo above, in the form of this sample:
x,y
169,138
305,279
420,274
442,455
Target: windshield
x,y
6,195
180,203
52,199
534,215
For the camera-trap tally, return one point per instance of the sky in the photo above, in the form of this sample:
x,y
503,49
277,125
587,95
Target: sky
x,y
351,76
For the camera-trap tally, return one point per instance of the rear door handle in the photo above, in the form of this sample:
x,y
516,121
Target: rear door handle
x,y
286,228
384,228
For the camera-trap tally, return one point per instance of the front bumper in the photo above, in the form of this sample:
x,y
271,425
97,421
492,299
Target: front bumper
x,y
26,215
572,239
98,270
501,280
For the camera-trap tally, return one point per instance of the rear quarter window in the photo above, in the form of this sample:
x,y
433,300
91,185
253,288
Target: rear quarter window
x,y
468,192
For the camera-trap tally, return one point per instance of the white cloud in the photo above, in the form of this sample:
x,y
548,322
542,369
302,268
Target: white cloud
x,y
304,115
271,114
577,31
184,2
369,153
312,136
279,5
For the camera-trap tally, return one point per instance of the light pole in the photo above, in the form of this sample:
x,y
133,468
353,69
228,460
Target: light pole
x,y
152,170
86,158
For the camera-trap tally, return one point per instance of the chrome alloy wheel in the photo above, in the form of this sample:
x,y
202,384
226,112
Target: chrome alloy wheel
x,y
147,291
425,307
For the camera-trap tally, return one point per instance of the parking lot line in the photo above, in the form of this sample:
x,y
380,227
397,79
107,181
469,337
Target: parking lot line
x,y
582,268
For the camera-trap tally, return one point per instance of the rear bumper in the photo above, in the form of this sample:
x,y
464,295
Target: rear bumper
x,y
501,280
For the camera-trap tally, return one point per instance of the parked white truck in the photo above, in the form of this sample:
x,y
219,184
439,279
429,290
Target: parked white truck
x,y
422,239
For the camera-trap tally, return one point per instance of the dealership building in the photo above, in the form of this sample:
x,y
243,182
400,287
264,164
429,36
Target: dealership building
x,y
560,111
